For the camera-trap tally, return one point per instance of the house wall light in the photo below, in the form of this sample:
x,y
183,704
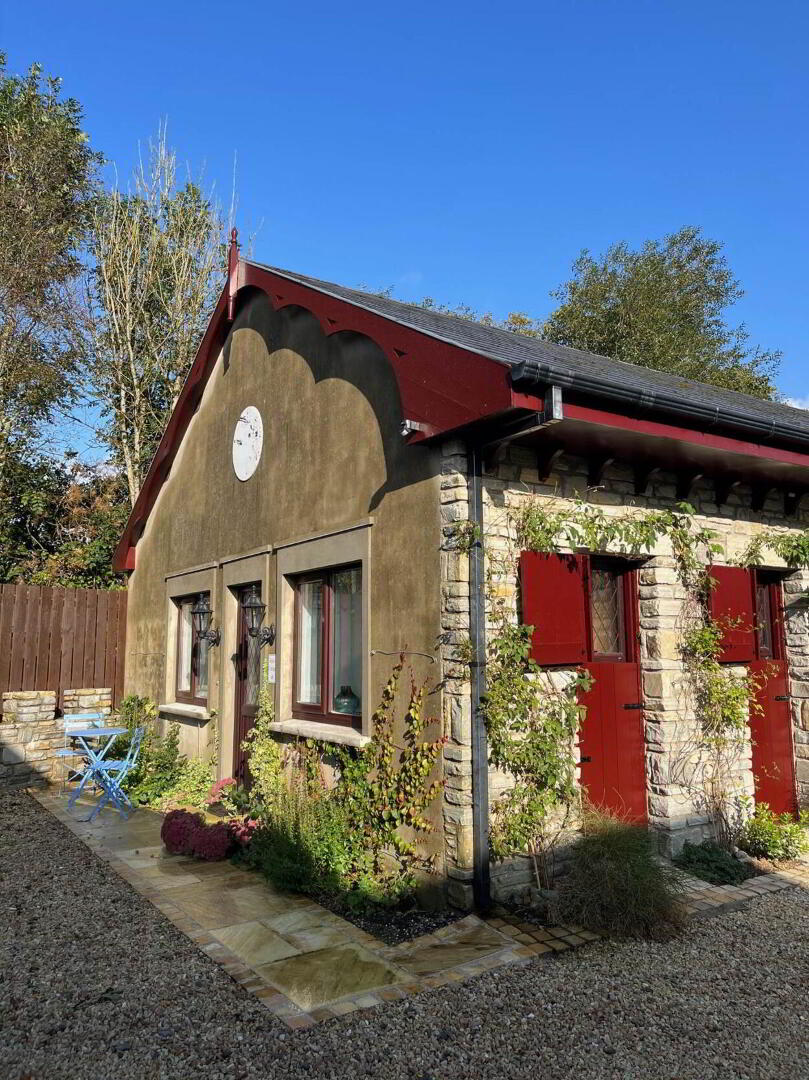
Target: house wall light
x,y
201,613
254,609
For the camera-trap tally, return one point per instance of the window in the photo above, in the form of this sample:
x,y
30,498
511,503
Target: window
x,y
582,608
192,657
607,612
328,645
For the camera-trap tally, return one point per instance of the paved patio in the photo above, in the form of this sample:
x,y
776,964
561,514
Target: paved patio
x,y
303,962
306,964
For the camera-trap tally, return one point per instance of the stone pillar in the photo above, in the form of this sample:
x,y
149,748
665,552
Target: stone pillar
x,y
457,700
796,610
29,735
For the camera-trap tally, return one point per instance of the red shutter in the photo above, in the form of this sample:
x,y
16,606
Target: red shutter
x,y
554,603
732,599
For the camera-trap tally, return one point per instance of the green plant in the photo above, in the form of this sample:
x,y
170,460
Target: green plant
x,y
384,788
191,784
774,836
617,884
263,754
303,842
710,862
532,722
358,840
158,769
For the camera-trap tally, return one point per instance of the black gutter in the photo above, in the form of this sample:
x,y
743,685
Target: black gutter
x,y
533,374
477,632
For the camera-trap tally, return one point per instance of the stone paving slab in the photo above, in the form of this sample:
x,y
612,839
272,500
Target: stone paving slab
x,y
304,963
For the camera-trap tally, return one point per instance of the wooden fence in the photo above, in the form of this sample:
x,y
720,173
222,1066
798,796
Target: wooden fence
x,y
61,639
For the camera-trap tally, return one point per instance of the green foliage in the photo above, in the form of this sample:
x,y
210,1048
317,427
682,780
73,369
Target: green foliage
x,y
263,753
710,862
722,699
531,724
382,790
60,524
775,836
47,187
159,767
585,526
163,777
792,547
662,307
303,843
358,839
617,884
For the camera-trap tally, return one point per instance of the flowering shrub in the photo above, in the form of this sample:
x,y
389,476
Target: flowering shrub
x,y
219,791
242,829
211,842
177,830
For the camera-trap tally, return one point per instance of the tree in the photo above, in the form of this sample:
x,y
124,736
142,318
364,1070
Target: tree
x,y
158,263
662,307
47,187
61,523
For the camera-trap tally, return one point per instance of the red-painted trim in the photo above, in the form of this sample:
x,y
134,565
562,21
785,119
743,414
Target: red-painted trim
x,y
442,387
671,431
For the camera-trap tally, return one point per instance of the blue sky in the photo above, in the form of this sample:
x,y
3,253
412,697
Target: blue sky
x,y
468,151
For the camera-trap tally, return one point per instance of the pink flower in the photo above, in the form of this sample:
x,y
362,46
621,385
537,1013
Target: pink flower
x,y
219,789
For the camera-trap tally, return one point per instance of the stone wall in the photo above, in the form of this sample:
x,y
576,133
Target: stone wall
x,y
457,701
31,733
669,727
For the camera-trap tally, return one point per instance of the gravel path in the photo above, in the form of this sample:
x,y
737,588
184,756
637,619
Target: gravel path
x,y
94,983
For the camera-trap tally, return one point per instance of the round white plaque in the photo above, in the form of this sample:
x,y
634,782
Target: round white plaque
x,y
247,442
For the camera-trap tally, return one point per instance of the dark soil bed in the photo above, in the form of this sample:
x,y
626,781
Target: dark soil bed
x,y
392,925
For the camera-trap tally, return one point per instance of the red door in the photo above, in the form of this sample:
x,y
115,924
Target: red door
x,y
584,614
248,678
770,721
611,740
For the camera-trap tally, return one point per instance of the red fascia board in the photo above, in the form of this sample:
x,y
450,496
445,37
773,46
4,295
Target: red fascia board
x,y
442,386
724,443
124,555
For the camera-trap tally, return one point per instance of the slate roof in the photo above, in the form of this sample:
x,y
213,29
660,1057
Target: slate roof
x,y
536,363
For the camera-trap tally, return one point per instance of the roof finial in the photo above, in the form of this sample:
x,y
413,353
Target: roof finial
x,y
233,265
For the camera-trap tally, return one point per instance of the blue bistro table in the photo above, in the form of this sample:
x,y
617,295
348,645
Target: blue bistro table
x,y
111,790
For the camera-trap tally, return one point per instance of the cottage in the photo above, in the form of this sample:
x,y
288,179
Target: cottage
x,y
325,443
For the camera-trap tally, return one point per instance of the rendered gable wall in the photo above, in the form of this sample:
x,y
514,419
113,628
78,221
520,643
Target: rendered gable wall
x,y
333,459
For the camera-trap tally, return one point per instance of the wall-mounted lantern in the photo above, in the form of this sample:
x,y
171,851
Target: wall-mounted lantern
x,y
201,613
254,615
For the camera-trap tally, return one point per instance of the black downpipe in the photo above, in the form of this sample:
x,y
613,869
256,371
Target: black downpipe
x,y
477,633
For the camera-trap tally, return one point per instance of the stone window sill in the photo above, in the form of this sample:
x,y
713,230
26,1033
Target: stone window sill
x,y
310,729
184,711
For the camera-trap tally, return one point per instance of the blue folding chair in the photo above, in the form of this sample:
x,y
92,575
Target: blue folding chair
x,y
74,722
113,773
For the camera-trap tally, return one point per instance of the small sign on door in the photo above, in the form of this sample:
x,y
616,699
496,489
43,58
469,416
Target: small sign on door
x,y
269,668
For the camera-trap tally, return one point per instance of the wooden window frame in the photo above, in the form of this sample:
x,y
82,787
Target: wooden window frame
x,y
772,582
303,710
628,613
189,697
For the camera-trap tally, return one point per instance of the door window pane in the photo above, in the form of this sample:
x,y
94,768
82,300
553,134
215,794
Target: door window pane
x,y
184,647
347,641
763,621
310,659
605,609
201,682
